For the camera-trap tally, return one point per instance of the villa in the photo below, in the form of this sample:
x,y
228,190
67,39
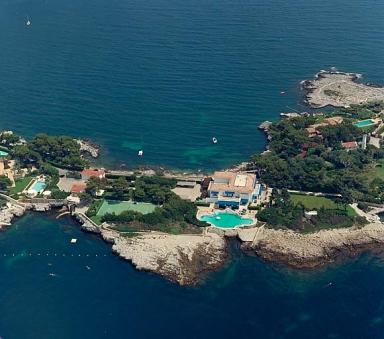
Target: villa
x,y
350,145
88,173
231,189
313,130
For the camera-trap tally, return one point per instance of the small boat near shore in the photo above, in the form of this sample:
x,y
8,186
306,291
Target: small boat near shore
x,y
140,153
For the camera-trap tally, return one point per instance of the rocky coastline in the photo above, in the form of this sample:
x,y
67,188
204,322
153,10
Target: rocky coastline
x,y
307,251
187,258
339,89
9,213
184,259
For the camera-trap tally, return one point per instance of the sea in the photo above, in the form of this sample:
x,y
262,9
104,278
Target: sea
x,y
165,77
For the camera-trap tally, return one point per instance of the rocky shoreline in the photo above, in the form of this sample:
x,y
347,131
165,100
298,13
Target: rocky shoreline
x,y
339,89
185,259
306,251
9,213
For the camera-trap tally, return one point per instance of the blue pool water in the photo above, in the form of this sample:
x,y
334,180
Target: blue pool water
x,y
39,186
364,123
226,220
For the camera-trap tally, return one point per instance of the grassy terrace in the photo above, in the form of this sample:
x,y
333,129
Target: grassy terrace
x,y
113,206
20,185
311,202
376,172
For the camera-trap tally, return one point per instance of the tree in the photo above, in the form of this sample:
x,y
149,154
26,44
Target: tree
x,y
120,186
4,182
94,184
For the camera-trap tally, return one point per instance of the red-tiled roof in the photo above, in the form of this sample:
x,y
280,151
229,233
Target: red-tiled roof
x,y
349,144
78,188
93,172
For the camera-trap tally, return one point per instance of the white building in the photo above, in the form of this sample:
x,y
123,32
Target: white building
x,y
231,189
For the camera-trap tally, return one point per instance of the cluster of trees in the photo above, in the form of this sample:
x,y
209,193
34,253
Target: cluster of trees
x,y
172,212
325,166
61,151
4,183
9,139
155,189
283,213
287,136
176,213
333,136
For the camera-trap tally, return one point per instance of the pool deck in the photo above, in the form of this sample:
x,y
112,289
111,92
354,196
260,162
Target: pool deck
x,y
204,210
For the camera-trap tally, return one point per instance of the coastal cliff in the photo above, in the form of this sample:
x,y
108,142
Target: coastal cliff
x,y
9,212
184,259
314,249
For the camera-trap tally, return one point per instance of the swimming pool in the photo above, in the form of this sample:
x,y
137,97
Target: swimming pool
x,y
226,220
38,186
364,123
3,154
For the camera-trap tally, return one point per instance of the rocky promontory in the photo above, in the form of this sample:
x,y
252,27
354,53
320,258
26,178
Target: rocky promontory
x,y
184,259
9,212
314,249
338,89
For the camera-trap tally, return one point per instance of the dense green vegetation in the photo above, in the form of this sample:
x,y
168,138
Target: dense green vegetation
x,y
4,182
285,212
60,151
319,164
172,214
311,202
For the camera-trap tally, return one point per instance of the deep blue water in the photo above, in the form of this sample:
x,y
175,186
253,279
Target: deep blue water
x,y
247,299
167,75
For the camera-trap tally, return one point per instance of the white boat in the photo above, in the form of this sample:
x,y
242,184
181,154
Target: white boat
x,y
140,154
214,140
73,241
28,23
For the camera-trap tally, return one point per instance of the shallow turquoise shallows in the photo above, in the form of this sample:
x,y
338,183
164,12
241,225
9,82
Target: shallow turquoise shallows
x,y
364,123
226,220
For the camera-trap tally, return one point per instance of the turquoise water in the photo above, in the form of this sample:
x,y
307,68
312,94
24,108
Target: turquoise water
x,y
247,299
226,220
166,76
364,123
39,186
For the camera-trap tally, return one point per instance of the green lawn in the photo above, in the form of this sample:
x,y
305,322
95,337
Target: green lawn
x,y
20,185
115,206
311,202
376,172
96,219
